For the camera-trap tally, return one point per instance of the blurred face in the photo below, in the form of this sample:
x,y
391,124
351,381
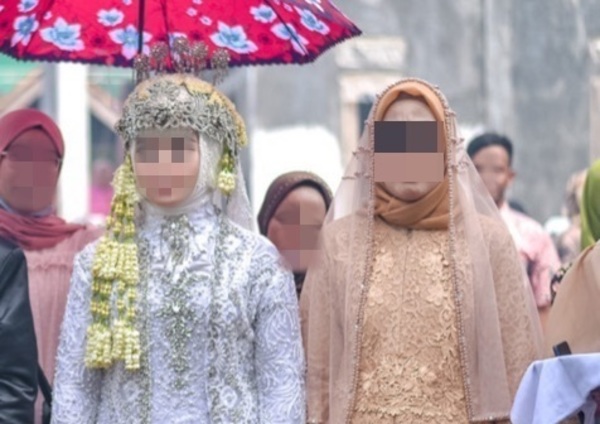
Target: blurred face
x,y
407,110
295,226
493,166
29,170
166,165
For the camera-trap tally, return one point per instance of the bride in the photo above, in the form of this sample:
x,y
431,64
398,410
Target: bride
x,y
180,314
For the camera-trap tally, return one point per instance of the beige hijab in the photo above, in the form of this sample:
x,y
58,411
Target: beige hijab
x,y
575,314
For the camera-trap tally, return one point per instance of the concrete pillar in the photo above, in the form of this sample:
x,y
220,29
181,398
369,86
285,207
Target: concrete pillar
x,y
497,65
74,121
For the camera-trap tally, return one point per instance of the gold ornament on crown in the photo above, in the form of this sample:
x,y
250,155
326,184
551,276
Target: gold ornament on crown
x,y
185,58
155,104
190,60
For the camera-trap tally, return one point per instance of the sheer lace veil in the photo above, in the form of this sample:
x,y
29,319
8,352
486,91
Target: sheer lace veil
x,y
337,285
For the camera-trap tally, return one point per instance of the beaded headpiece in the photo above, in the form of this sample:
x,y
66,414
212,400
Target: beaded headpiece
x,y
186,58
159,101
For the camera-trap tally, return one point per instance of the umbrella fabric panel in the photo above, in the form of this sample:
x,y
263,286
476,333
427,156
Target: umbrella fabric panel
x,y
106,31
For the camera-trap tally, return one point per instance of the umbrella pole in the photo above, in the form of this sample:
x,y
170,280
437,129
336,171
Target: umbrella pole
x,y
141,16
48,100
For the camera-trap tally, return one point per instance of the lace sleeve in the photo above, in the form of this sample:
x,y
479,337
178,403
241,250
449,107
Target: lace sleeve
x,y
76,388
279,357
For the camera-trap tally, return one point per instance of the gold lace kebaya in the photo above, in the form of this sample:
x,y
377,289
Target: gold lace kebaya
x,y
410,364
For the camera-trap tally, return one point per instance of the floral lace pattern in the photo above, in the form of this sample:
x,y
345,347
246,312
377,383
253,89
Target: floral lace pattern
x,y
220,325
410,368
410,365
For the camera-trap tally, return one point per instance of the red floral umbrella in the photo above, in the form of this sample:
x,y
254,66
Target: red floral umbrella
x,y
113,32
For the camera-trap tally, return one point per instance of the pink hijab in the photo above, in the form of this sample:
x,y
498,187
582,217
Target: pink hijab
x,y
32,232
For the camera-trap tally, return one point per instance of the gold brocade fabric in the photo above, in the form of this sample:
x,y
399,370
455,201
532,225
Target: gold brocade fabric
x,y
410,365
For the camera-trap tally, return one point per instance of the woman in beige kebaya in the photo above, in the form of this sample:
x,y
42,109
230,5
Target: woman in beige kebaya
x,y
417,309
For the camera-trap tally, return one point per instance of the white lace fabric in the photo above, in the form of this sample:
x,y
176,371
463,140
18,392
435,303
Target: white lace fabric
x,y
219,322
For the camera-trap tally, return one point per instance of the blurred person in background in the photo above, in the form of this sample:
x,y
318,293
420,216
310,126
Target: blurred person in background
x,y
291,217
574,317
590,207
31,155
492,155
569,242
18,351
586,186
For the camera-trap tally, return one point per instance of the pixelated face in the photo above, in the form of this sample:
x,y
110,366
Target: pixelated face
x,y
409,161
29,170
166,164
493,165
295,226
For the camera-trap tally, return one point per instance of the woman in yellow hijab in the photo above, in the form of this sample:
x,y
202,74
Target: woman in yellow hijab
x,y
590,207
575,314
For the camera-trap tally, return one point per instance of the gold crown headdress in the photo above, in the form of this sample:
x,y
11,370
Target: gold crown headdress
x,y
186,58
156,103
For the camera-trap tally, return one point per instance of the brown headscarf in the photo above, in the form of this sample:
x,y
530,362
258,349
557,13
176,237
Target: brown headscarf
x,y
32,232
431,212
284,185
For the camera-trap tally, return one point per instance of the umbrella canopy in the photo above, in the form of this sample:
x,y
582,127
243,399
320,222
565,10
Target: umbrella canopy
x,y
113,32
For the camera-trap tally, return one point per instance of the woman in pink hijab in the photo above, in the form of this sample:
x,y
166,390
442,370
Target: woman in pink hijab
x,y
31,154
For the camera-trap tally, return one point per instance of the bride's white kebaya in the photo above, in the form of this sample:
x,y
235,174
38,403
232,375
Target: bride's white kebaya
x,y
180,314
